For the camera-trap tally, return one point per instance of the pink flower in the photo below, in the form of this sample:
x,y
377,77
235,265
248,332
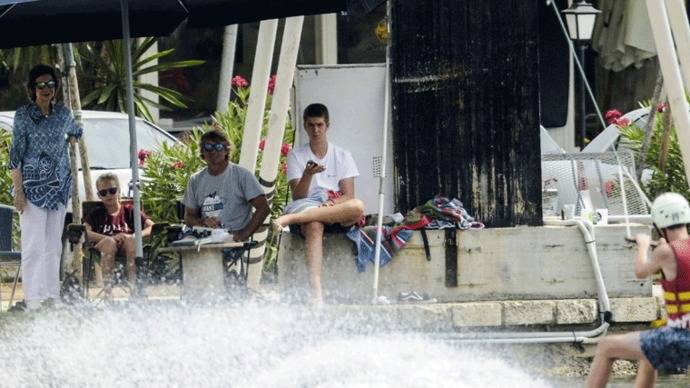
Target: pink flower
x,y
262,144
143,154
608,188
284,149
239,82
661,107
622,122
271,84
179,165
612,115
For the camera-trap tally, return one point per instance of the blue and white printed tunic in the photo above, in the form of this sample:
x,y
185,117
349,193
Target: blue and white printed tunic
x,y
39,149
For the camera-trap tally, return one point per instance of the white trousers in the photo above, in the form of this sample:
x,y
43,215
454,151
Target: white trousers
x,y
41,237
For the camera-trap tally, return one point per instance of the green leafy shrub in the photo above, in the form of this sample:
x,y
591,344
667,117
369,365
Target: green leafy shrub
x,y
667,177
168,169
6,184
5,175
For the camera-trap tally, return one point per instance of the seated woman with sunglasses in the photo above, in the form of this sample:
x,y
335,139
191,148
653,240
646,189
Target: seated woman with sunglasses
x,y
41,179
111,228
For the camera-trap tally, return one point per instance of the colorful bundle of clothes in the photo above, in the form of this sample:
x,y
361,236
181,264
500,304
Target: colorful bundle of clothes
x,y
438,213
392,240
445,213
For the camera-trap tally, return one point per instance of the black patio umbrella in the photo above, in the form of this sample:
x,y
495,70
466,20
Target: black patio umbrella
x,y
62,21
59,21
4,2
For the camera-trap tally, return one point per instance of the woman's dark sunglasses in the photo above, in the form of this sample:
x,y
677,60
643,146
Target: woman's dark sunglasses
x,y
208,147
104,192
43,85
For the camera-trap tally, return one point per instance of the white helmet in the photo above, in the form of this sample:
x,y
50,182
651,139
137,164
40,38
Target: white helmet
x,y
670,209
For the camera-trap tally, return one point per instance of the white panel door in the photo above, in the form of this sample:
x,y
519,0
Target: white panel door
x,y
354,96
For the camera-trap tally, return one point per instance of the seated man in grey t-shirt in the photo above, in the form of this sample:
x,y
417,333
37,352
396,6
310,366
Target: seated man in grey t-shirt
x,y
222,194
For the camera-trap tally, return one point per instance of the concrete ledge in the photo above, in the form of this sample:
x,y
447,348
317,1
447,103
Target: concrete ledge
x,y
477,314
576,311
426,317
498,264
449,316
634,309
528,313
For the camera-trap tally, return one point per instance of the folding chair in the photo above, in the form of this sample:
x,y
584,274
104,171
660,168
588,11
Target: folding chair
x,y
154,267
236,264
7,255
91,263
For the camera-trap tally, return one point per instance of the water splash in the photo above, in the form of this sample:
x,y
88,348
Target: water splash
x,y
249,345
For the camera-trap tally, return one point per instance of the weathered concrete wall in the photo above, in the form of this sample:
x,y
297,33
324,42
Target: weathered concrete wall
x,y
522,263
465,93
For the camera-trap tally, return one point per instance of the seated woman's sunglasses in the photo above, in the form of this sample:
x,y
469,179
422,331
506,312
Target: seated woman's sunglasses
x,y
104,192
47,84
208,147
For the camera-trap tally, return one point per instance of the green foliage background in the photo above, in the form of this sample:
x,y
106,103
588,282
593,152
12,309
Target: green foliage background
x,y
5,176
669,177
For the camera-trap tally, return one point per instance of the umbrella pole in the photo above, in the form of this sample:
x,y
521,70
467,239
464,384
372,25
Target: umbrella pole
x,y
127,55
384,151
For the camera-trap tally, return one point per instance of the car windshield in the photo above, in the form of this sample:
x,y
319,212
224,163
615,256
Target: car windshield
x,y
107,141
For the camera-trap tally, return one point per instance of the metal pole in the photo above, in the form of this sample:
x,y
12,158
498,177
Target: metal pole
x,y
384,149
583,102
577,61
127,55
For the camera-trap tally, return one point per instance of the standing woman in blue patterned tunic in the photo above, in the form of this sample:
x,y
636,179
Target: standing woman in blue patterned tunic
x,y
41,176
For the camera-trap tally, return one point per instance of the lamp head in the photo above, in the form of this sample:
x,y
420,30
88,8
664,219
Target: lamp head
x,y
580,18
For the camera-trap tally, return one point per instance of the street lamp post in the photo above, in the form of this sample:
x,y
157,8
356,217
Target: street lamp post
x,y
580,18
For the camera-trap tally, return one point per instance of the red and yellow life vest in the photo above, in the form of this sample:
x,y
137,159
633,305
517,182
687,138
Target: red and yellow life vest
x,y
677,291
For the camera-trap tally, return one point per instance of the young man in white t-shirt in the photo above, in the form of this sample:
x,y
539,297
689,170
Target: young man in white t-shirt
x,y
322,176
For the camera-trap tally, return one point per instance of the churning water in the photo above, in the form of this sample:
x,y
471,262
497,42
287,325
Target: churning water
x,y
249,345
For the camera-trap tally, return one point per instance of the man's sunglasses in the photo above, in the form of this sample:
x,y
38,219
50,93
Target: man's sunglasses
x,y
208,147
43,85
104,192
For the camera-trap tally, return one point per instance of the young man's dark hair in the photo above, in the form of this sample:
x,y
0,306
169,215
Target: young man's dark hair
x,y
316,110
36,72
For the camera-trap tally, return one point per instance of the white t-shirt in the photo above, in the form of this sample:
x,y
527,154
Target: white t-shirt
x,y
338,162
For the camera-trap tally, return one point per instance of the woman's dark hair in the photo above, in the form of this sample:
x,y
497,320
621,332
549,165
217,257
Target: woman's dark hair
x,y
36,72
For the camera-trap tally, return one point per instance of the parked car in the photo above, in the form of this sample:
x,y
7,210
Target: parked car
x,y
107,140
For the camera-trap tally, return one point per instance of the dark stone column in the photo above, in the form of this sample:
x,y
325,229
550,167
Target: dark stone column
x,y
465,88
